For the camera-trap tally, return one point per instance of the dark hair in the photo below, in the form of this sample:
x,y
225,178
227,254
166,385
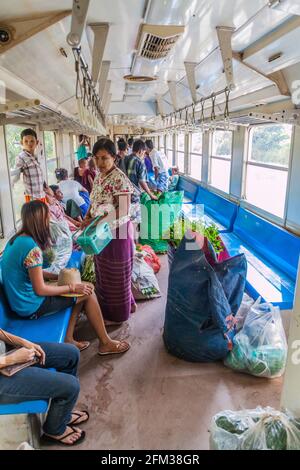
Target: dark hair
x,y
122,146
35,223
149,144
27,132
54,187
82,160
138,145
130,141
61,174
107,145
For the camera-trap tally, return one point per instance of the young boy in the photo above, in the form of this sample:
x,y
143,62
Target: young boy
x,y
28,164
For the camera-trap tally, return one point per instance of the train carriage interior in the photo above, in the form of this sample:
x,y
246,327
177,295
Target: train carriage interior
x,y
191,111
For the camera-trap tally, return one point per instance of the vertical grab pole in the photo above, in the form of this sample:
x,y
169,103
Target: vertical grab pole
x,y
290,398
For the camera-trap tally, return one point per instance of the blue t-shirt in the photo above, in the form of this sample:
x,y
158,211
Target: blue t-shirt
x,y
17,259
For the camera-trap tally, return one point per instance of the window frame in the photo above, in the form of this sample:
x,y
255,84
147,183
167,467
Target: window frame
x,y
181,152
215,157
281,221
53,159
195,153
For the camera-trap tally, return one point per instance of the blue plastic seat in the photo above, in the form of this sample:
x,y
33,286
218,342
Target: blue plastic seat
x,y
272,254
50,328
217,209
189,187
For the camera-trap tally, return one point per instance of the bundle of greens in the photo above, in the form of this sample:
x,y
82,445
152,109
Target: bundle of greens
x,y
259,429
182,224
89,274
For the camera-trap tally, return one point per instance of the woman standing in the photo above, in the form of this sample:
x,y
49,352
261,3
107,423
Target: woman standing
x,y
110,198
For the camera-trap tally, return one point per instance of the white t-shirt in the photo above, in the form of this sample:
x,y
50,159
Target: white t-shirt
x,y
70,190
159,160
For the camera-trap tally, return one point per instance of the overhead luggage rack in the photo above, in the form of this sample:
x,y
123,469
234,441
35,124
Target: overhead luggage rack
x,y
34,112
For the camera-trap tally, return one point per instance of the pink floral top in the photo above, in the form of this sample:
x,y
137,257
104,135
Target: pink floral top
x,y
105,189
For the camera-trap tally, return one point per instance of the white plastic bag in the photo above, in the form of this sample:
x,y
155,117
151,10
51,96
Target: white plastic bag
x,y
240,317
259,429
260,348
144,282
62,246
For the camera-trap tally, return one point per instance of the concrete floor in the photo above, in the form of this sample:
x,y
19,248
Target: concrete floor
x,y
147,399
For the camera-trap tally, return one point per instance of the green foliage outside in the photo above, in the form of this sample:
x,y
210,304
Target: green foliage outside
x,y
222,144
13,138
271,144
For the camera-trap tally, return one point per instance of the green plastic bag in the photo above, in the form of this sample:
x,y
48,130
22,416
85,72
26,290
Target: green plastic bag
x,y
157,218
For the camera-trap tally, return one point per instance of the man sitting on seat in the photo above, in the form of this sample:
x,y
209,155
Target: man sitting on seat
x,y
56,208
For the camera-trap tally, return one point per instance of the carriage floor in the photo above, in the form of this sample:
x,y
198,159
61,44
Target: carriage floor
x,y
147,399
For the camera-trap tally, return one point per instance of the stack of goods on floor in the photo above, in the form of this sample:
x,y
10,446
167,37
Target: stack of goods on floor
x,y
145,265
157,216
260,347
88,273
259,429
204,295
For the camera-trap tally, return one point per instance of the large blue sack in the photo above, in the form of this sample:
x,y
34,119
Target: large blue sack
x,y
202,301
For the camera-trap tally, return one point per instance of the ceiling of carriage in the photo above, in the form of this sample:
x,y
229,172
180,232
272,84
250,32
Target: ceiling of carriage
x,y
39,63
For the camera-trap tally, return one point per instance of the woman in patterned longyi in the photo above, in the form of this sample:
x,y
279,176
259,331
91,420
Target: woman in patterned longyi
x,y
110,199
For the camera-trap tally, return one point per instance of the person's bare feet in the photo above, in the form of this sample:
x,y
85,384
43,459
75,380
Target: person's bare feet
x,y
113,347
69,437
81,345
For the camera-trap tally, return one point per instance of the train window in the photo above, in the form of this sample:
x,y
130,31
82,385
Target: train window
x,y
220,164
169,149
12,136
51,158
180,151
196,156
267,167
75,142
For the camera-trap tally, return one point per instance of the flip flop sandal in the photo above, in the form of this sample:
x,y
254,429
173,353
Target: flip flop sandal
x,y
86,344
50,441
78,417
118,351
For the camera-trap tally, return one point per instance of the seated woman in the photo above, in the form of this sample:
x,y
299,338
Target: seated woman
x,y
80,170
73,213
90,175
57,212
28,294
174,178
39,383
72,191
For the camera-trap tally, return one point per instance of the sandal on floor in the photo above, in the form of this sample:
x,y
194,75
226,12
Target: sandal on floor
x,y
86,344
51,441
85,417
121,348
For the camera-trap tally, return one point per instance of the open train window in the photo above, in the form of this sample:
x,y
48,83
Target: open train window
x,y
169,149
267,167
196,155
180,151
51,156
220,161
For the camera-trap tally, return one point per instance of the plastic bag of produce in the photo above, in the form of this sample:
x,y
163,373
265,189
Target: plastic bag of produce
x,y
60,253
149,256
260,348
259,429
244,309
143,280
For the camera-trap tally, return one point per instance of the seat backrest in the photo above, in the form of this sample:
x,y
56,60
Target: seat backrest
x,y
218,207
189,187
275,244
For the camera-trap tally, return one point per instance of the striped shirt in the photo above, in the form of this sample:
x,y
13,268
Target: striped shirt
x,y
33,176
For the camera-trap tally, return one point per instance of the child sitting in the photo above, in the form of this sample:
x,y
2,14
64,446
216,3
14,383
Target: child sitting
x,y
174,178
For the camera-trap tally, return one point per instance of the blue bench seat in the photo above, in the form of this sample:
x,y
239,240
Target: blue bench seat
x,y
272,255
189,188
217,210
51,328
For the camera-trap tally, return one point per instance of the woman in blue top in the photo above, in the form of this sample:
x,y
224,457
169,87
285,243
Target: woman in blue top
x,y
28,294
